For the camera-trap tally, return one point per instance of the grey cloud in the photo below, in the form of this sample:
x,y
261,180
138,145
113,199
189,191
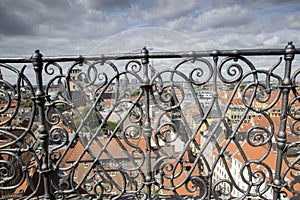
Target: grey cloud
x,y
109,4
57,4
12,22
292,21
27,17
77,26
232,16
171,9
181,23
252,4
159,39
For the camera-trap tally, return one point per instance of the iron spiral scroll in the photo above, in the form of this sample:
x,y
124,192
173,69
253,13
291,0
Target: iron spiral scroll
x,y
186,125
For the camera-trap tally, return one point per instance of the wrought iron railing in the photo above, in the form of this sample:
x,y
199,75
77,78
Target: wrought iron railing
x,y
193,125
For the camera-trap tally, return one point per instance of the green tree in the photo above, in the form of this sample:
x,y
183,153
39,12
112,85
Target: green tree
x,y
93,121
27,104
111,126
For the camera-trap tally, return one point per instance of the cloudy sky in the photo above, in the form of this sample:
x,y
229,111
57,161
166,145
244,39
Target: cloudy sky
x,y
67,27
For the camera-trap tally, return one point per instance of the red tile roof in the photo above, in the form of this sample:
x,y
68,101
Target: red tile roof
x,y
117,148
251,153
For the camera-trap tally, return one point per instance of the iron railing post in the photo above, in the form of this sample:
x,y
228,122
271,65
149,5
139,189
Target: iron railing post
x,y
42,129
147,126
281,137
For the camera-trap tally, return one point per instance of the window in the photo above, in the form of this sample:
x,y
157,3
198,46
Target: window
x,y
112,173
85,165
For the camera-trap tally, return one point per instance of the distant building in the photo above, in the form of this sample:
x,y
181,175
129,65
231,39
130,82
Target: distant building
x,y
235,163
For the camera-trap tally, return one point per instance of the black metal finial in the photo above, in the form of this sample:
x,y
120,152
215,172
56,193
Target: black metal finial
x,y
36,56
37,59
37,53
290,45
289,51
145,53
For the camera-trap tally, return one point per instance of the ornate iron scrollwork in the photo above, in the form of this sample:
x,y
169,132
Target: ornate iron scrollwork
x,y
207,125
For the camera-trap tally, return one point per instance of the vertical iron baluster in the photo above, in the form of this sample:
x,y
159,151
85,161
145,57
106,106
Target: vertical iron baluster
x,y
42,129
281,136
147,126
